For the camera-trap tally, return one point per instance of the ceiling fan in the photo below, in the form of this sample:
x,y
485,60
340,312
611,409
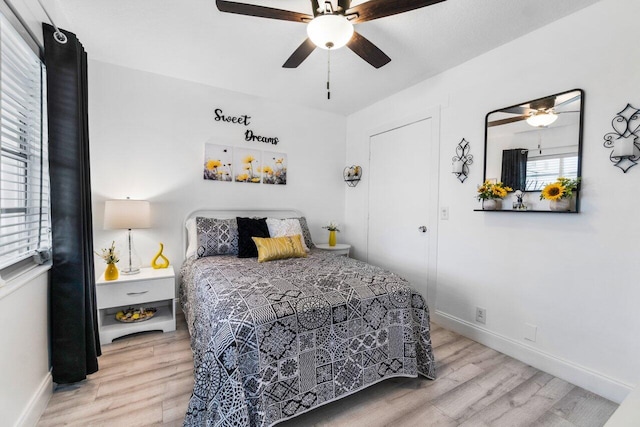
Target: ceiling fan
x,y
539,113
332,28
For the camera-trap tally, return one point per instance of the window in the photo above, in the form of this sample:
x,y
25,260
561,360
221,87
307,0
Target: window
x,y
545,170
24,164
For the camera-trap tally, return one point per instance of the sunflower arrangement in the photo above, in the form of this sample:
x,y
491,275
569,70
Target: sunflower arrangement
x,y
490,190
563,188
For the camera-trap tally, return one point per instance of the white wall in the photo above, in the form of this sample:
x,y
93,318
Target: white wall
x,y
26,383
147,137
580,286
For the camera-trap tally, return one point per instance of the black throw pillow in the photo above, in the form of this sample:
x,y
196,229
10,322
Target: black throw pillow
x,y
248,228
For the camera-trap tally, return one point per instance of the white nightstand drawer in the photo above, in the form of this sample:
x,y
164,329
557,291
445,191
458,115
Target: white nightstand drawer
x,y
117,294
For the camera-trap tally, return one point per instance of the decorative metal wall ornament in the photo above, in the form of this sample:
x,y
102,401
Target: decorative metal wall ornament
x,y
462,160
624,141
352,175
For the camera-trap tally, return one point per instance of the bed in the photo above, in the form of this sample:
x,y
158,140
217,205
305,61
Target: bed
x,y
272,340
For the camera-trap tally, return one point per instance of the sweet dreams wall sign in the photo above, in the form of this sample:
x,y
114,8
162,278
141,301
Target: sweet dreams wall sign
x,y
226,163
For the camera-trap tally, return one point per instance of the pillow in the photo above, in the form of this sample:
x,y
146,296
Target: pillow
x,y
248,228
192,237
306,234
285,227
216,237
279,248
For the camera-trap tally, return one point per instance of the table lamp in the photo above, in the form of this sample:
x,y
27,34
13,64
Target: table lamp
x,y
127,215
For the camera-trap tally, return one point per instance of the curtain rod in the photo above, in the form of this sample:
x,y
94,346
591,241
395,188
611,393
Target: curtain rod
x,y
58,35
11,13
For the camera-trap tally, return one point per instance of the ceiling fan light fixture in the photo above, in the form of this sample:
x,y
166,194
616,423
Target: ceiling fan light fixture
x,y
330,31
542,118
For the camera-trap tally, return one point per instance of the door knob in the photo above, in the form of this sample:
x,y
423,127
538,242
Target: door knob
x,y
422,228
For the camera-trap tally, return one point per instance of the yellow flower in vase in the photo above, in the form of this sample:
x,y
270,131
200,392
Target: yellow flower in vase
x,y
553,191
489,190
560,193
111,257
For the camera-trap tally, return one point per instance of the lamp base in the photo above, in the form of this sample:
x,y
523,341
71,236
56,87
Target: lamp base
x,y
132,264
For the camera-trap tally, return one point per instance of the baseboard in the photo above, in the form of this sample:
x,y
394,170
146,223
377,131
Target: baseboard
x,y
588,379
37,404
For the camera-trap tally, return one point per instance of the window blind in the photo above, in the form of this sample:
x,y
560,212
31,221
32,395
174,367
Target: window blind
x,y
542,171
24,165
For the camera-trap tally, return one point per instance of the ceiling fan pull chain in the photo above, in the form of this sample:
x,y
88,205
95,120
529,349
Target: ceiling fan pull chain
x,y
540,141
328,73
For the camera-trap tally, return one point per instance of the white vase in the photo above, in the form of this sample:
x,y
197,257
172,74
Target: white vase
x,y
490,204
560,205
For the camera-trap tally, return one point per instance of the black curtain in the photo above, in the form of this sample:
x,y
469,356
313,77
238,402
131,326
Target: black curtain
x,y
514,168
75,345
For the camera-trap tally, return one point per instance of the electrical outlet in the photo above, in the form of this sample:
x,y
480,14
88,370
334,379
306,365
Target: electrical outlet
x,y
481,315
444,213
530,332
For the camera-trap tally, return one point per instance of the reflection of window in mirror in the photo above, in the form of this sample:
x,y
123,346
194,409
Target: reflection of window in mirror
x,y
544,170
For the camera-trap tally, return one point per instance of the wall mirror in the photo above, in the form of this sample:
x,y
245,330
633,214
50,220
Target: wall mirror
x,y
532,144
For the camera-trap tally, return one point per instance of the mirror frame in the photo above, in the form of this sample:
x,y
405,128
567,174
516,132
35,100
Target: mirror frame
x,y
580,133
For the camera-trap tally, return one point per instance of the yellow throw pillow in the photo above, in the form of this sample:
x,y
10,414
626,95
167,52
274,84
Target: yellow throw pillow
x,y
279,247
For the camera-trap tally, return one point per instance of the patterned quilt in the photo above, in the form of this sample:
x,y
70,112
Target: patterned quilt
x,y
273,340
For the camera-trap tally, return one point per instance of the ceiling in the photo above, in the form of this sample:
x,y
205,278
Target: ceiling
x,y
192,40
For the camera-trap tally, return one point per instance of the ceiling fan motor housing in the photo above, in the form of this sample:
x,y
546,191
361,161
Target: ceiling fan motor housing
x,y
330,31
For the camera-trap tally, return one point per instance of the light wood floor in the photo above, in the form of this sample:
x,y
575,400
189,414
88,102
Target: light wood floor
x,y
147,379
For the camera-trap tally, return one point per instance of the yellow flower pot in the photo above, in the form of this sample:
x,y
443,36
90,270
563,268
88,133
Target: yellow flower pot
x,y
332,237
111,273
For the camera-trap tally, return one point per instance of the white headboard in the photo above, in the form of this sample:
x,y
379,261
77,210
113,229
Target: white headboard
x,y
232,213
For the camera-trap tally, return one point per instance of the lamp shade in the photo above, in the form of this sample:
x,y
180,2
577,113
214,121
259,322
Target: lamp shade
x,y
542,119
127,214
330,31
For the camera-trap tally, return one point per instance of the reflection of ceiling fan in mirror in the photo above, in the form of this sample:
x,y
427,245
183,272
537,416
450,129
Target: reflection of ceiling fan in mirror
x,y
331,26
539,113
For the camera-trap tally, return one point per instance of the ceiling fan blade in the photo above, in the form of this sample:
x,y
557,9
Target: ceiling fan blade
x,y
518,110
300,54
506,121
374,9
367,51
344,4
261,11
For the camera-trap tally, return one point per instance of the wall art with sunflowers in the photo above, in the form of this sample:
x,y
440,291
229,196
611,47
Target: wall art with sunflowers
x,y
235,164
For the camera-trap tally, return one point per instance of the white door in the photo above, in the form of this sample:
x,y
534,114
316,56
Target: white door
x,y
399,201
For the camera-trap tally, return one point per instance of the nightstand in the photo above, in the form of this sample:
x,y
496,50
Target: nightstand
x,y
338,249
149,288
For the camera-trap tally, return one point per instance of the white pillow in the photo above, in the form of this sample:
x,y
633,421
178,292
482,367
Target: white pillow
x,y
286,227
192,237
